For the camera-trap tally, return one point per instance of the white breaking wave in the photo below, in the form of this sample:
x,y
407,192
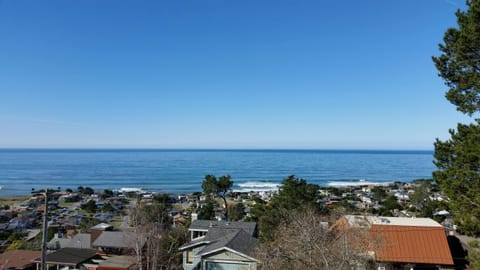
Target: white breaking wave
x,y
128,189
361,182
257,186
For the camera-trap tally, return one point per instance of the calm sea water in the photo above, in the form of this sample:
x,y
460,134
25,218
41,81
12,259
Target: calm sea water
x,y
182,171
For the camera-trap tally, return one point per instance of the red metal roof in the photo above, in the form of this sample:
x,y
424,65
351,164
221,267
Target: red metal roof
x,y
18,259
411,244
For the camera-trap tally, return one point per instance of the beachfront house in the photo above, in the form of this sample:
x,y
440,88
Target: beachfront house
x,y
403,243
220,245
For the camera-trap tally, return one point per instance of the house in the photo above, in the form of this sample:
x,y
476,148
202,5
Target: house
x,y
118,263
403,243
220,245
19,259
113,263
80,240
117,242
68,258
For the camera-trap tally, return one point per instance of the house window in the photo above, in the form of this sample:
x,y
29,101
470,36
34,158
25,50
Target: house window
x,y
189,256
197,234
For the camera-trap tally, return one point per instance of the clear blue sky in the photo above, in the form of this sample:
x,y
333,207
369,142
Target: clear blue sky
x,y
223,74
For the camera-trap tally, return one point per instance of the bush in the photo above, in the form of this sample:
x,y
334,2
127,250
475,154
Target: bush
x,y
90,206
474,243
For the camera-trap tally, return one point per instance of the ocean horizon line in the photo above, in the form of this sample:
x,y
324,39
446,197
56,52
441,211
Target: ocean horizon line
x,y
226,149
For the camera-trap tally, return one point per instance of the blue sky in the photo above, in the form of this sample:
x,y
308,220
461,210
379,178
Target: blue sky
x,y
223,74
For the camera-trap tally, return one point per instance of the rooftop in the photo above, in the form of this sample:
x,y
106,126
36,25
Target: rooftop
x,y
233,236
205,225
102,226
18,259
403,221
118,239
412,244
70,256
238,240
358,221
118,262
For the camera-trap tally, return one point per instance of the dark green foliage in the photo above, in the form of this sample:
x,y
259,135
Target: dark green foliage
x,y
69,190
346,205
208,210
391,203
36,242
85,191
88,223
458,158
88,191
16,236
219,187
4,235
236,212
294,194
459,63
474,259
72,199
108,208
90,206
335,191
458,163
385,212
162,198
379,193
421,194
107,193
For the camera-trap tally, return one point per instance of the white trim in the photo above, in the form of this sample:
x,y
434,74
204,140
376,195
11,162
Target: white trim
x,y
201,230
193,245
231,250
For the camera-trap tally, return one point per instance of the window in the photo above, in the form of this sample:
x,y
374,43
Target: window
x,y
197,234
189,256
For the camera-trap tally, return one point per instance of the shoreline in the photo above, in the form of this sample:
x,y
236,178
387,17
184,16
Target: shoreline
x,y
138,190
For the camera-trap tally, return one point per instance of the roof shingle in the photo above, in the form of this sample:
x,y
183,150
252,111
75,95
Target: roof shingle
x,y
70,256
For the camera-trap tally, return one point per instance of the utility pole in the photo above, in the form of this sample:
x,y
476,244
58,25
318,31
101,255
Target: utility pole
x,y
45,232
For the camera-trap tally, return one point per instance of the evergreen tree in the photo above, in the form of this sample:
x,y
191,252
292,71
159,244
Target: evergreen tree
x,y
458,159
218,187
294,194
459,63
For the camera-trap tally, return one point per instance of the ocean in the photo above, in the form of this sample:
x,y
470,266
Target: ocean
x,y
182,171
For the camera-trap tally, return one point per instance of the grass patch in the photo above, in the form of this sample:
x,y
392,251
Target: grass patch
x,y
115,224
15,200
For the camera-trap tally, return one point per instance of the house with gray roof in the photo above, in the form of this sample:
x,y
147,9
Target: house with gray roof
x,y
117,242
68,258
80,240
220,245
